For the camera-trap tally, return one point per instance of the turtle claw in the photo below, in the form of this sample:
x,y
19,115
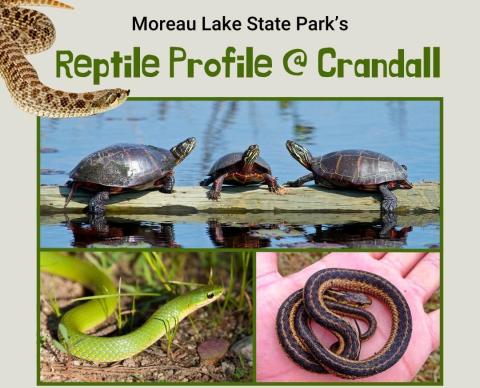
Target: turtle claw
x,y
292,184
213,195
273,186
279,190
166,190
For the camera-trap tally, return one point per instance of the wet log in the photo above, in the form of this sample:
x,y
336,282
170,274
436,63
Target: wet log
x,y
423,198
242,219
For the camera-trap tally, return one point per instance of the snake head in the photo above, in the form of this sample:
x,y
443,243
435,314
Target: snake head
x,y
108,99
356,299
199,297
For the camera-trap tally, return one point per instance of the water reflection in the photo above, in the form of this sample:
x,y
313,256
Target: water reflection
x,y
97,231
361,235
162,110
237,236
221,117
302,130
397,113
101,231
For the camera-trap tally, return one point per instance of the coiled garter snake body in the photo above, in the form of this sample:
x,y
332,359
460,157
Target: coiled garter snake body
x,y
318,300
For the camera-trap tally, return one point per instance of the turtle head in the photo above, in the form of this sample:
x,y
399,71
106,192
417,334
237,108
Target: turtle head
x,y
300,153
183,149
251,154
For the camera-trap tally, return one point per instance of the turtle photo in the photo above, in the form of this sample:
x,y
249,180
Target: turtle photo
x,y
126,167
352,169
240,169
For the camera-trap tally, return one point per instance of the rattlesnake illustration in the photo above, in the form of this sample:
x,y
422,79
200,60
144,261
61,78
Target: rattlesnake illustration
x,y
26,31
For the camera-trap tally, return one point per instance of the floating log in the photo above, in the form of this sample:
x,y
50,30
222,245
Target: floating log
x,y
423,198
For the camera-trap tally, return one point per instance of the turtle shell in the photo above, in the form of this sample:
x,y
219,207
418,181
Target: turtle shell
x,y
358,167
124,165
226,162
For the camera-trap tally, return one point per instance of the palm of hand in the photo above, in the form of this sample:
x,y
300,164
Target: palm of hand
x,y
417,277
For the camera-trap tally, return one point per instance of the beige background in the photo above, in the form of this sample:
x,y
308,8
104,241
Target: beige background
x,y
377,28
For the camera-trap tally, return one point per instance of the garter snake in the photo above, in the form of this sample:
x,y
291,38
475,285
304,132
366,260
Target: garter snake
x,y
319,301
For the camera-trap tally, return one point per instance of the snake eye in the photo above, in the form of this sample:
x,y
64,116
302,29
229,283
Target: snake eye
x,y
210,295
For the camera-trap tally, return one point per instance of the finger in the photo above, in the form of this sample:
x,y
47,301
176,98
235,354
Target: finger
x,y
425,276
267,263
434,324
403,262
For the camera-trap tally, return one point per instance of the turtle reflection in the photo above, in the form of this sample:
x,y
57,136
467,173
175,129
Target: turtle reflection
x,y
361,235
237,235
381,234
95,231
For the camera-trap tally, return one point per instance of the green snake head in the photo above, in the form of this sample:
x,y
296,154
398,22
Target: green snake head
x,y
201,297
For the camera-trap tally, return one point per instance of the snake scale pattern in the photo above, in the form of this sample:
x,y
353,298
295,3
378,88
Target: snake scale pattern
x,y
25,31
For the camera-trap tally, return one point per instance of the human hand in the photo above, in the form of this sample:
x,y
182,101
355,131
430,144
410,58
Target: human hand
x,y
416,275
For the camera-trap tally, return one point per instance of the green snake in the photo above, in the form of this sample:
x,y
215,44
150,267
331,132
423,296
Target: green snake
x,y
79,320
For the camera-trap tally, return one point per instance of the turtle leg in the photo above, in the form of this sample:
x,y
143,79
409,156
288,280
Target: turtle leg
x,y
272,183
167,184
214,192
207,181
98,202
300,181
389,201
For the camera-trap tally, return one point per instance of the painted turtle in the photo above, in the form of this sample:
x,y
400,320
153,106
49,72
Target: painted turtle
x,y
240,169
354,169
122,167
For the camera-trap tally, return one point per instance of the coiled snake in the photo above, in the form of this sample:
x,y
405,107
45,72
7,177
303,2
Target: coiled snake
x,y
26,31
316,302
